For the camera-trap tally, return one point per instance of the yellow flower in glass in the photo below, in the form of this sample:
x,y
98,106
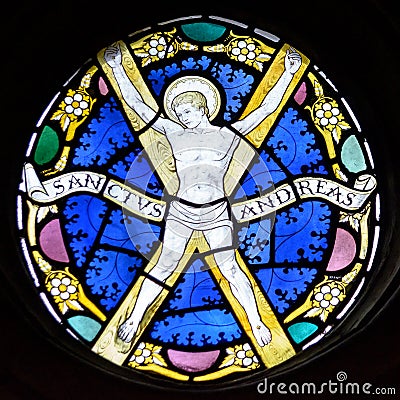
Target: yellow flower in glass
x,y
64,290
141,354
155,49
246,358
326,298
76,105
329,117
145,354
158,47
244,50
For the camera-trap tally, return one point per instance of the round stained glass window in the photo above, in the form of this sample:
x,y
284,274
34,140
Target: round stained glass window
x,y
199,205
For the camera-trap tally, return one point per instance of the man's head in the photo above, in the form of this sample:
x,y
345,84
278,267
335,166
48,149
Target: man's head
x,y
190,108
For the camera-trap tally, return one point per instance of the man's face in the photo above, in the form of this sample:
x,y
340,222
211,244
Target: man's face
x,y
189,115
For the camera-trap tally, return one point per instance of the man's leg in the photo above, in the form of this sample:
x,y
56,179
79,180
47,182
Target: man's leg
x,y
219,238
175,240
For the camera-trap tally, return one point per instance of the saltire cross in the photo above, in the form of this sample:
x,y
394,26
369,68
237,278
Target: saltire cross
x,y
108,343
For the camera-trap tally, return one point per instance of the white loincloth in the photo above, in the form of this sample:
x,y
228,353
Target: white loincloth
x,y
200,218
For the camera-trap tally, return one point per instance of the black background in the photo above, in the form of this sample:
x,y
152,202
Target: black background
x,y
43,43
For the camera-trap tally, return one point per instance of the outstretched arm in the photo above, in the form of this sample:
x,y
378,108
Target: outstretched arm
x,y
131,95
272,100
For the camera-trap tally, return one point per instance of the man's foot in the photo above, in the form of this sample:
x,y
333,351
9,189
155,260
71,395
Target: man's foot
x,y
261,333
127,330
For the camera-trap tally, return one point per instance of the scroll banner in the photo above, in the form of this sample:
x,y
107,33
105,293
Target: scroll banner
x,y
351,199
49,191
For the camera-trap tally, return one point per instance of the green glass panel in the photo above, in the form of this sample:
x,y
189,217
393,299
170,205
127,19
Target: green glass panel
x,y
85,326
352,155
47,146
302,330
203,31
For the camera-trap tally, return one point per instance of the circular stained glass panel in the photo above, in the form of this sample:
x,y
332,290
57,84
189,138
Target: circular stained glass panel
x,y
199,205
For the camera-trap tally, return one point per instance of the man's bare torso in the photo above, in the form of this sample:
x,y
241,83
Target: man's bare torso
x,y
202,157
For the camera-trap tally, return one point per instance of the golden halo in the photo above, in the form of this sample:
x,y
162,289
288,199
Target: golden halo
x,y
193,84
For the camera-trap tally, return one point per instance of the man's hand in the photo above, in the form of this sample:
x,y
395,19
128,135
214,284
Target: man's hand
x,y
113,56
292,61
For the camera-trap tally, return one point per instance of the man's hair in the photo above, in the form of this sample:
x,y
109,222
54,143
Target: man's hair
x,y
197,99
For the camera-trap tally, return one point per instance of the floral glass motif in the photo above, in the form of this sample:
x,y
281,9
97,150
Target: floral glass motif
x,y
199,203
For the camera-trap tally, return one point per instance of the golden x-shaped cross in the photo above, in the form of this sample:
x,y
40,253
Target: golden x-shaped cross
x,y
157,147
